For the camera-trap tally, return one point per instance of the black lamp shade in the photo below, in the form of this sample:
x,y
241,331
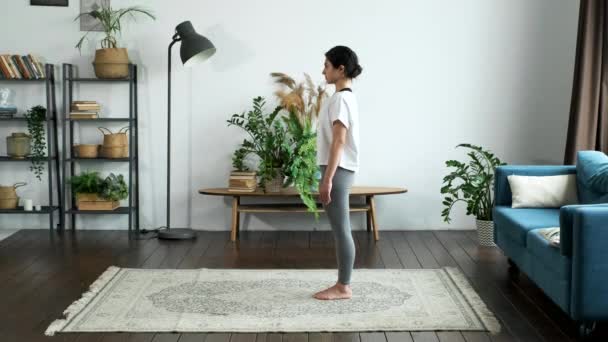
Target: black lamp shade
x,y
194,47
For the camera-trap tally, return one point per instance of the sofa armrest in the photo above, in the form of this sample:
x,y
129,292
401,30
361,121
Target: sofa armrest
x,y
502,190
566,223
589,293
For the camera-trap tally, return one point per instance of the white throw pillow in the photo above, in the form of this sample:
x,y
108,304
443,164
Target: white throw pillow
x,y
543,191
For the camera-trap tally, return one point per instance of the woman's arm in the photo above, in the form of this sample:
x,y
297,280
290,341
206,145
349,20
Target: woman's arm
x,y
335,153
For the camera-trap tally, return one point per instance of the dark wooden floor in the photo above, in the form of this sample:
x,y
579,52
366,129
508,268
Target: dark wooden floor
x,y
42,273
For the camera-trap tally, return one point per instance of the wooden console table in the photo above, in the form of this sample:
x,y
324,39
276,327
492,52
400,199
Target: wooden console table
x,y
368,207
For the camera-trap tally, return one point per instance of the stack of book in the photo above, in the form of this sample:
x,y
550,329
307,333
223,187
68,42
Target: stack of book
x,y
7,112
242,181
21,67
84,110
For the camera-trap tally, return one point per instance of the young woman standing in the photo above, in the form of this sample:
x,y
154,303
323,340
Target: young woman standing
x,y
338,159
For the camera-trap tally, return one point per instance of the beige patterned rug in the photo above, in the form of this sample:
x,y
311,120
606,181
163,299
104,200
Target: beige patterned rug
x,y
275,300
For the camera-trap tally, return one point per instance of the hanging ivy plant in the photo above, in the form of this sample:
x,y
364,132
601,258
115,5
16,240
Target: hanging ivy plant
x,y
35,117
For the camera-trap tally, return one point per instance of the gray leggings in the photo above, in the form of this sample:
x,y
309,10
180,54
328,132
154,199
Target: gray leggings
x,y
339,217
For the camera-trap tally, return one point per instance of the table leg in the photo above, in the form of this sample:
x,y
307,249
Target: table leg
x,y
235,218
368,215
374,221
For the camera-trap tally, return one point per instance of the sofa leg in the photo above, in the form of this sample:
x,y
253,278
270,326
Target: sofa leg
x,y
586,328
513,269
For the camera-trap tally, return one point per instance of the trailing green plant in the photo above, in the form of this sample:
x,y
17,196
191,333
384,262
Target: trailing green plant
x,y
35,118
268,140
301,168
86,182
110,21
472,183
114,188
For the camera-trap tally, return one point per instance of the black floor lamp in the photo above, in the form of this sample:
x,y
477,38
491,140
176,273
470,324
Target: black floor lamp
x,y
194,49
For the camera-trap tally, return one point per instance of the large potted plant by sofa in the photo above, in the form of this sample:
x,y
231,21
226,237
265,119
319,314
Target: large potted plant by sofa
x,y
472,182
111,61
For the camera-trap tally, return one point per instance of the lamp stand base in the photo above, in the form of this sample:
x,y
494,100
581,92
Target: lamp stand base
x,y
177,234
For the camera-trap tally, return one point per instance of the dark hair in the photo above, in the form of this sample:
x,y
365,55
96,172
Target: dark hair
x,y
343,55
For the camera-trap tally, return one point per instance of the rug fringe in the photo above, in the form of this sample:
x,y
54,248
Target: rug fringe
x,y
78,305
487,317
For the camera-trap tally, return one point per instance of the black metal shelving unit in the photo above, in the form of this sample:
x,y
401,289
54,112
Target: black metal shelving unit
x,y
132,210
52,142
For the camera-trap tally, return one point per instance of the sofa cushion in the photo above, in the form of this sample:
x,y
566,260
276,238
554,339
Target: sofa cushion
x,y
516,222
550,256
592,177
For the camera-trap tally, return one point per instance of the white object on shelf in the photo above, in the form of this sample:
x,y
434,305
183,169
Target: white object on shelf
x,y
28,204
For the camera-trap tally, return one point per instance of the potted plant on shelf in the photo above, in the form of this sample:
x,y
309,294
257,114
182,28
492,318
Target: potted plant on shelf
x,y
95,193
35,117
475,185
111,61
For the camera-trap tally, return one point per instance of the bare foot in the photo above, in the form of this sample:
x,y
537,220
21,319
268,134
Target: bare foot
x,y
337,291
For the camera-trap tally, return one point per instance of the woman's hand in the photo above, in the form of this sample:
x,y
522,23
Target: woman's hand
x,y
324,191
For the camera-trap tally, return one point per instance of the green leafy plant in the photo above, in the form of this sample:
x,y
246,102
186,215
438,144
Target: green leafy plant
x,y
114,188
86,182
286,147
111,188
110,21
35,118
471,183
301,168
268,140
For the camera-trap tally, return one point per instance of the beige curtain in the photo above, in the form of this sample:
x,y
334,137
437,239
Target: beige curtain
x,y
588,125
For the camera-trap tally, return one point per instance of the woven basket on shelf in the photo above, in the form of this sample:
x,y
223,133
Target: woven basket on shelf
x,y
86,150
115,145
111,63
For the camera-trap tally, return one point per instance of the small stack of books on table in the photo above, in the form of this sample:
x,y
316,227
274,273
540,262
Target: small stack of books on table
x,y
21,67
242,181
84,110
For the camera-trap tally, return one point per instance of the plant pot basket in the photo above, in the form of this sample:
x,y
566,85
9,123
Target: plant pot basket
x,y
94,202
111,63
485,233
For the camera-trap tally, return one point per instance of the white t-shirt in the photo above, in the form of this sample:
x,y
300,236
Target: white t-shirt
x,y
342,105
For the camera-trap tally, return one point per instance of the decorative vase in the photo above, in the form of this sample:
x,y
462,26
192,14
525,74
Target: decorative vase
x,y
485,232
111,63
18,145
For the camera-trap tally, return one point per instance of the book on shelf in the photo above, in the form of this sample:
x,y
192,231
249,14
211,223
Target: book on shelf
x,y
21,67
83,115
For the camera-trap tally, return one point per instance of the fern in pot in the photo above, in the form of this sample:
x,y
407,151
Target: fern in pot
x,y
111,61
472,182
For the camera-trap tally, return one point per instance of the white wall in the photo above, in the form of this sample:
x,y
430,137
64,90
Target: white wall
x,y
436,73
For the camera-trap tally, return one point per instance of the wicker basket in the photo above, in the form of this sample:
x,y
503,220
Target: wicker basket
x,y
485,232
115,145
111,63
86,150
8,196
275,184
86,201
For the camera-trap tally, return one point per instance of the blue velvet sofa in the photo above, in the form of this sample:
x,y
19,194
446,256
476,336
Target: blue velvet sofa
x,y
575,274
